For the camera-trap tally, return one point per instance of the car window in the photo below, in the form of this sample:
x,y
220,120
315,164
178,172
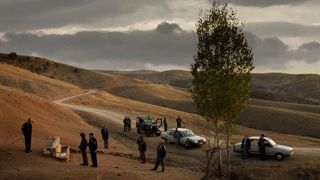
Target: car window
x,y
254,142
171,132
270,141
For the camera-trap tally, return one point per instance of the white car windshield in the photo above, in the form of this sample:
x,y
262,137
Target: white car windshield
x,y
187,133
271,142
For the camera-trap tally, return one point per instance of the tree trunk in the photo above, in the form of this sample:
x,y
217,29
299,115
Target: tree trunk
x,y
218,147
228,150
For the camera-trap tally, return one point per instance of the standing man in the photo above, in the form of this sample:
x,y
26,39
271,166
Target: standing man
x,y
161,154
245,145
83,149
165,124
129,124
27,133
142,149
179,122
93,146
177,135
125,124
105,137
262,147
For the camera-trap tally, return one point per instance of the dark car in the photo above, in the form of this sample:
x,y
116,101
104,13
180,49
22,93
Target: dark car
x,y
148,125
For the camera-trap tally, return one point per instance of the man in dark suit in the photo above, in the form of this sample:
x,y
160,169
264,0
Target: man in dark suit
x,y
105,137
161,154
245,145
262,147
93,146
27,133
83,149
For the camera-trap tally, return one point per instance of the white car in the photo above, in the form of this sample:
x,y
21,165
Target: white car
x,y
272,149
188,138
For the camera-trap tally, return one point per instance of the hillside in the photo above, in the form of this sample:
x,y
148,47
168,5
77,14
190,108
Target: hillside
x,y
49,119
32,83
256,115
300,88
54,120
163,95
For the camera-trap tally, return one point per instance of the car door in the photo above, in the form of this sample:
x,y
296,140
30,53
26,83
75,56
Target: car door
x,y
254,148
269,148
183,138
171,136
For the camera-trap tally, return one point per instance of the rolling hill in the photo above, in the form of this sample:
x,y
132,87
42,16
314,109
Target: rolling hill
x,y
33,83
257,115
300,88
163,95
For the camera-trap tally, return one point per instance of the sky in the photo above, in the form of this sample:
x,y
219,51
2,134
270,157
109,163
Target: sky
x,y
157,34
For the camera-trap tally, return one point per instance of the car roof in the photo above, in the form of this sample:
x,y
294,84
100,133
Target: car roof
x,y
180,129
257,137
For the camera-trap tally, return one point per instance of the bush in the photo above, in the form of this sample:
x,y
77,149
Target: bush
x,y
12,55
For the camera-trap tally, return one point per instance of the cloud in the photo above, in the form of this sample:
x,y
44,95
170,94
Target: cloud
x,y
283,29
167,45
26,15
308,52
165,27
273,53
265,3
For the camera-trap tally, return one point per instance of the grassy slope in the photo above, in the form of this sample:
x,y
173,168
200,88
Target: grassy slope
x,y
162,95
27,81
301,88
49,119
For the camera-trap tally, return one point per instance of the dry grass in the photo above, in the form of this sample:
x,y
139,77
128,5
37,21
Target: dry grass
x,y
29,82
162,95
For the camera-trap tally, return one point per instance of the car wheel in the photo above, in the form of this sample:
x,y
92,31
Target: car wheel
x,y
279,156
187,145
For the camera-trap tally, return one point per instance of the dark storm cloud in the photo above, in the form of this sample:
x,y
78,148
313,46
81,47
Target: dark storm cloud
x,y
265,3
165,27
161,46
283,29
273,53
309,52
18,15
168,44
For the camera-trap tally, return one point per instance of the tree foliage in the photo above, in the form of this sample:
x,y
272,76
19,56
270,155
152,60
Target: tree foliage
x,y
221,67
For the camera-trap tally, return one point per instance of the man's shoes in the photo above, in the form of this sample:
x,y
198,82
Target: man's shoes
x,y
94,166
84,164
153,169
162,170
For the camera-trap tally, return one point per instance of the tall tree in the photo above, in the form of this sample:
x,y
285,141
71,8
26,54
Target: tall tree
x,y
221,71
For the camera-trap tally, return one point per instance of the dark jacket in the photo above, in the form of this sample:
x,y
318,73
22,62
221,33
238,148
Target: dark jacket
x,y
83,144
161,150
165,123
93,144
248,143
177,134
27,129
104,134
261,143
142,146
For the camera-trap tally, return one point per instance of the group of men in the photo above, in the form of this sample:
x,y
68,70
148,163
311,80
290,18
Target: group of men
x,y
161,153
126,124
93,146
246,144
